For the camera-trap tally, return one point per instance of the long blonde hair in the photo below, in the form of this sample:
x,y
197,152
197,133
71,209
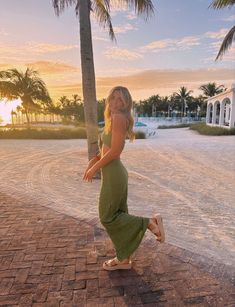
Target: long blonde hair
x,y
127,110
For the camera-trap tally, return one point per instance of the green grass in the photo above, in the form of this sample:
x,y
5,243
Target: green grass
x,y
76,133
47,134
173,126
202,128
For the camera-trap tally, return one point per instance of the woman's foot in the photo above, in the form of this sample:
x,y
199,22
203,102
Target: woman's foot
x,y
156,227
115,264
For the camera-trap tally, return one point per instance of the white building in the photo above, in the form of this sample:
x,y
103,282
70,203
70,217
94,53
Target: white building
x,y
221,109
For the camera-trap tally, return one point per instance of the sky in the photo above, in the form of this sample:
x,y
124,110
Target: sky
x,y
175,47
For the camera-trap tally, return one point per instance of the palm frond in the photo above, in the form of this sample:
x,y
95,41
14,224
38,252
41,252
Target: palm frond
x,y
141,7
219,4
61,5
101,9
8,90
226,44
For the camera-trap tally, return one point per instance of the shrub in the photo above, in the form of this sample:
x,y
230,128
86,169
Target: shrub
x,y
77,133
203,128
173,126
140,135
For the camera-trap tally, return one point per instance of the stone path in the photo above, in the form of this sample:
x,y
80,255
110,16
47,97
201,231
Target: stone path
x,y
48,258
188,178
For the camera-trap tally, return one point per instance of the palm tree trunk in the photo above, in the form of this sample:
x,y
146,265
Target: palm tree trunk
x,y
88,78
27,117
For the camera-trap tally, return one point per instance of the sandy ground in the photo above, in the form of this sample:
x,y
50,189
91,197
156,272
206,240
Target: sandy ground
x,y
188,178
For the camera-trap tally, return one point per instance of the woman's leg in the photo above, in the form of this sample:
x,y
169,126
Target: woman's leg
x,y
125,230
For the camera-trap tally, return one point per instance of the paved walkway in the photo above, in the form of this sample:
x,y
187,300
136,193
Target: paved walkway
x,y
51,259
52,245
188,178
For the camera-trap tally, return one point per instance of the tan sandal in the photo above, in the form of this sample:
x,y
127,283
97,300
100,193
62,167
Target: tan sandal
x,y
107,265
159,228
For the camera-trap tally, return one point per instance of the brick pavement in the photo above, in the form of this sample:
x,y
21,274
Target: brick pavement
x,y
188,178
51,259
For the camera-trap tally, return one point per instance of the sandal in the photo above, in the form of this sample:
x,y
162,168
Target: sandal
x,y
159,228
107,265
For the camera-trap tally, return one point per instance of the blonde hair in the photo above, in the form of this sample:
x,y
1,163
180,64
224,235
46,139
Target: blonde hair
x,y
126,110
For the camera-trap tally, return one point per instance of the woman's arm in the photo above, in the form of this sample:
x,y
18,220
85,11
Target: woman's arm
x,y
118,137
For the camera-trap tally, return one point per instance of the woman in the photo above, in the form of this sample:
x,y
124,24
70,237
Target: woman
x,y
126,231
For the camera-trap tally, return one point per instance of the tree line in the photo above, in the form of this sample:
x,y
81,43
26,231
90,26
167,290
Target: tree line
x,y
32,91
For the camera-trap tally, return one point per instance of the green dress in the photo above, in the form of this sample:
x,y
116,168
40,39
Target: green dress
x,y
125,230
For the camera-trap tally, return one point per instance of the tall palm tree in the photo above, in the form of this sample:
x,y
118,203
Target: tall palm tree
x,y
182,96
230,36
28,86
101,10
212,89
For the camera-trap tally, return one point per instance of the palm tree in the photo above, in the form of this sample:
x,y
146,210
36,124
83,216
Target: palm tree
x,y
230,36
13,113
27,86
211,89
181,97
101,10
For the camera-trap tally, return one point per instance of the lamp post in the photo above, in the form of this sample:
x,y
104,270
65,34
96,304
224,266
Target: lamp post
x,y
169,110
182,109
198,111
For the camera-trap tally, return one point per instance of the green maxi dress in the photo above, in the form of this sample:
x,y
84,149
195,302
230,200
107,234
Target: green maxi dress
x,y
126,231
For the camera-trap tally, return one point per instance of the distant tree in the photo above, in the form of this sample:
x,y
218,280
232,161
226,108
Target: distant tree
x,y
182,98
101,107
72,110
28,86
212,89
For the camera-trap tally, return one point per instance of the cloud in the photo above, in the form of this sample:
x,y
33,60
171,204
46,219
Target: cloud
x,y
117,7
168,44
229,56
124,28
48,48
132,15
100,38
187,42
3,33
230,18
184,43
17,53
44,67
216,35
149,82
122,54
156,45
52,67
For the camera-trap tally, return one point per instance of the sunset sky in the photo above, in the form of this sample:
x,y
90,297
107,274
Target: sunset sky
x,y
175,47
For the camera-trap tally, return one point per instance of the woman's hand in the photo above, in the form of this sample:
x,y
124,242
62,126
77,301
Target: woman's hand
x,y
90,164
89,173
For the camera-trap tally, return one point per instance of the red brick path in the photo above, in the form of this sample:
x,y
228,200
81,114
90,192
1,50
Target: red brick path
x,y
50,259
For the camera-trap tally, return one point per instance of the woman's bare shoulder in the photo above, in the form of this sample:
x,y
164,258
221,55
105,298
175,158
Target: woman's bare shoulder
x,y
120,119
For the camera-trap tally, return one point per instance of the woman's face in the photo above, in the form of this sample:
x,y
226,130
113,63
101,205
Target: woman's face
x,y
115,102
